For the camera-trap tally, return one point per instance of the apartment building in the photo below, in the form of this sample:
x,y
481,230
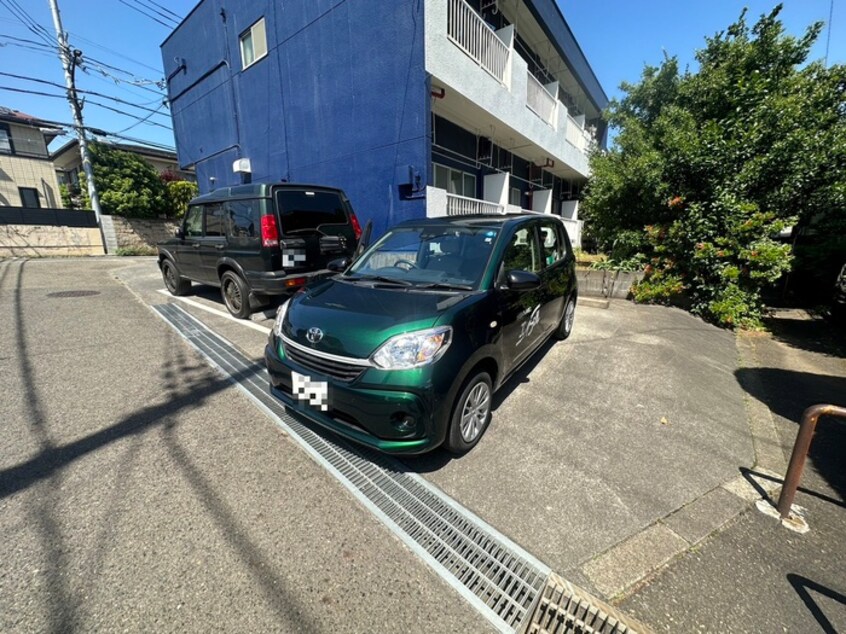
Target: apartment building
x,y
414,107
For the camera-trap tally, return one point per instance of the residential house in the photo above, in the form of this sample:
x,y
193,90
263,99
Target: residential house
x,y
415,107
27,178
68,162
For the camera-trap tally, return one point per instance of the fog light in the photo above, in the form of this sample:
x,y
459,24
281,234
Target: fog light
x,y
404,423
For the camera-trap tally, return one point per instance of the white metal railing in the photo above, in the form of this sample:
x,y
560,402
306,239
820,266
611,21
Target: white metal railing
x,y
472,34
575,133
463,206
539,100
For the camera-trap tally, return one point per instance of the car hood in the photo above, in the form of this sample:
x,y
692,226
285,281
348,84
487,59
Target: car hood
x,y
356,318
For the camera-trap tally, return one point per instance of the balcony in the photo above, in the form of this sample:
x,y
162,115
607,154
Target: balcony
x,y
440,203
488,88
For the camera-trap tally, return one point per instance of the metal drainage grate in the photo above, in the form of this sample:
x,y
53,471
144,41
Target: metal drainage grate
x,y
63,294
562,608
495,575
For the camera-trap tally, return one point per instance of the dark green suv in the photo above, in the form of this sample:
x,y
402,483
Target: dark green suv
x,y
255,241
403,350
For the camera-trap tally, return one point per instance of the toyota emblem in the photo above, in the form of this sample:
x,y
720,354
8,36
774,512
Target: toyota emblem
x,y
314,334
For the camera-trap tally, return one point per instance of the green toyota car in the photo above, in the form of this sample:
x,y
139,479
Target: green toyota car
x,y
403,349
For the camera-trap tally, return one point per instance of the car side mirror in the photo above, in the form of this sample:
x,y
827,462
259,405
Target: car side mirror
x,y
179,233
522,281
339,265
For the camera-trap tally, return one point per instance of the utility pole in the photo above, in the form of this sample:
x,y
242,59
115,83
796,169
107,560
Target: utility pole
x,y
70,60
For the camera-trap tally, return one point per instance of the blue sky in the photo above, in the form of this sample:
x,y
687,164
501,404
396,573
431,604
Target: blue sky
x,y
617,36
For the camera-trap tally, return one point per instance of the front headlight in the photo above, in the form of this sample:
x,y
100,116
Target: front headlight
x,y
413,349
280,317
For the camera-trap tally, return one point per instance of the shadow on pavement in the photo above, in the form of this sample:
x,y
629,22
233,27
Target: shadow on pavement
x,y
803,587
787,393
186,387
812,334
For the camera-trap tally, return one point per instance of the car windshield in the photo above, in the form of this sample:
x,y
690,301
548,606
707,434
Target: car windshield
x,y
428,257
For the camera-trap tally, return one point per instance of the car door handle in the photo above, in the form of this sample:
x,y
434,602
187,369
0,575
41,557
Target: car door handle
x,y
196,245
219,247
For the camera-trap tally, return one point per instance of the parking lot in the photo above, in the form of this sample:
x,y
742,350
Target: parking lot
x,y
142,490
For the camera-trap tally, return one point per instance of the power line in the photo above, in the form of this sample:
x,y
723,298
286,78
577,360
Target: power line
x,y
139,122
152,17
27,20
150,7
87,92
828,34
164,8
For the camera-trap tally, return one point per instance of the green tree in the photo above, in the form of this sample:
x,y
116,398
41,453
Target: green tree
x,y
709,166
127,184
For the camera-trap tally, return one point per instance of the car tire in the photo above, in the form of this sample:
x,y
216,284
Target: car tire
x,y
236,294
471,414
565,327
174,282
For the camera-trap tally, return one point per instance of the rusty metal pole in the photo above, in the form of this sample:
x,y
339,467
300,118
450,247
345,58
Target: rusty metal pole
x,y
800,451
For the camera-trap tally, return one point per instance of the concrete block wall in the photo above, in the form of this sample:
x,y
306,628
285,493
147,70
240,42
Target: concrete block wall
x,y
45,241
138,232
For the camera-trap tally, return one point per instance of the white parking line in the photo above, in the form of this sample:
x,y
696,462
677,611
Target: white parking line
x,y
219,313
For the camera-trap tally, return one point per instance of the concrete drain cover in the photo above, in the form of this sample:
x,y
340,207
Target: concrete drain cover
x,y
63,294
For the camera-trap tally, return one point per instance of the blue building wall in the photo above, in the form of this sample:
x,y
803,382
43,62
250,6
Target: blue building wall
x,y
341,99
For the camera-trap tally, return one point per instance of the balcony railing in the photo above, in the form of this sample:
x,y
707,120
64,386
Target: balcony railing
x,y
462,206
575,133
472,34
539,100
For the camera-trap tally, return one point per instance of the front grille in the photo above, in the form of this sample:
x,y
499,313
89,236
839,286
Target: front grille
x,y
336,369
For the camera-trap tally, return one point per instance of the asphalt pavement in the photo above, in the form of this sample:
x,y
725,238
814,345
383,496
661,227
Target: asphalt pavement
x,y
139,490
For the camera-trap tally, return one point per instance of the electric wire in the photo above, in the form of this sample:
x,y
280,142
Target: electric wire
x,y
150,7
152,17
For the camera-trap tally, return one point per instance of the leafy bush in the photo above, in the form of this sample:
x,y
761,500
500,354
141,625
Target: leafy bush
x,y
139,250
179,194
127,184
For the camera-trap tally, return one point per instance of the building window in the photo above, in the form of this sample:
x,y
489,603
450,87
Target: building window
x,y
455,181
6,146
253,44
29,197
515,197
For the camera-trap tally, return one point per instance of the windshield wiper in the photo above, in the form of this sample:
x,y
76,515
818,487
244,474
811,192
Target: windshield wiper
x,y
379,278
446,286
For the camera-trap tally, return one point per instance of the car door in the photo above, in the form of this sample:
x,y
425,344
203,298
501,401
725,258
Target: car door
x,y
213,242
188,250
556,276
519,311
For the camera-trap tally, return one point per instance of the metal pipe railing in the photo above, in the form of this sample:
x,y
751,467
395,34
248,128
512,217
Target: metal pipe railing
x,y
800,452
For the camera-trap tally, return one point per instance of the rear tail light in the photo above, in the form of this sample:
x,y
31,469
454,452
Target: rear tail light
x,y
295,281
269,231
356,227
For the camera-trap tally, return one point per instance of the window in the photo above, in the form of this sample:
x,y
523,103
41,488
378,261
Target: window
x,y
253,44
243,218
303,210
194,222
29,197
214,221
455,181
552,243
6,145
522,252
515,197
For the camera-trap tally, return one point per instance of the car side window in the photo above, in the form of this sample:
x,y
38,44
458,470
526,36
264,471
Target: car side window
x,y
552,243
243,221
194,222
214,220
522,251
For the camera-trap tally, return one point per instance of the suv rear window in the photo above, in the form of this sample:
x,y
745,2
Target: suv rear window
x,y
306,209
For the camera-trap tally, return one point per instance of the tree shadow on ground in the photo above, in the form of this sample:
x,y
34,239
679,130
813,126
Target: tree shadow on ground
x,y
813,334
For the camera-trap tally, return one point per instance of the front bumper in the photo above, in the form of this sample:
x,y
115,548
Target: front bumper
x,y
361,411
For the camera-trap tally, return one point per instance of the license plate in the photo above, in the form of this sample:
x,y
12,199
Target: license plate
x,y
309,391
